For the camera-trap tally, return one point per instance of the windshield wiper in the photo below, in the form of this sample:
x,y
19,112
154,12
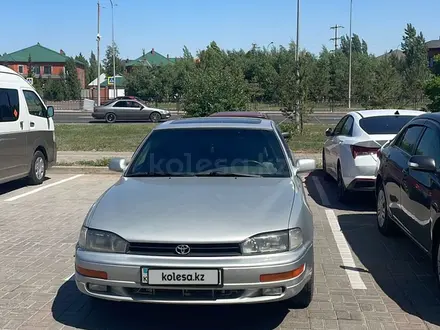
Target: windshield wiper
x,y
228,174
157,174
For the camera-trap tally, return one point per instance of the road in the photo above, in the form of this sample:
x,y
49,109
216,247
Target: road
x,y
362,279
85,117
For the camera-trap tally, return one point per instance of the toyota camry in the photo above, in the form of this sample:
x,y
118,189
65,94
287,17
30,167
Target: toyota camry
x,y
207,211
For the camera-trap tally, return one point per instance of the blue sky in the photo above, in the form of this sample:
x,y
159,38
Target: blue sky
x,y
169,25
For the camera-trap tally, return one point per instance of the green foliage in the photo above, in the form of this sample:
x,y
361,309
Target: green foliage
x,y
73,86
108,61
432,90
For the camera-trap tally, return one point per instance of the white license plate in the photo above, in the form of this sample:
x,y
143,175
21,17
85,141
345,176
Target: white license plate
x,y
180,276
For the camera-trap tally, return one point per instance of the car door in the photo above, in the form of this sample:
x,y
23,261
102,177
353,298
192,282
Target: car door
x,y
122,110
13,135
417,189
330,147
138,112
396,166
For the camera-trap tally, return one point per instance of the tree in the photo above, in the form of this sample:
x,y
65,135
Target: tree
x,y
108,61
92,73
82,59
386,84
432,90
416,71
73,86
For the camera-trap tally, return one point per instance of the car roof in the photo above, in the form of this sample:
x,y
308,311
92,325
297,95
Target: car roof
x,y
248,114
217,122
435,116
386,112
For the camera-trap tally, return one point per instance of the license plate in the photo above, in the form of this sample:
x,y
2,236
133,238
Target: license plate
x,y
180,276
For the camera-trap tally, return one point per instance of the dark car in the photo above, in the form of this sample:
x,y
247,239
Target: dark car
x,y
247,114
408,185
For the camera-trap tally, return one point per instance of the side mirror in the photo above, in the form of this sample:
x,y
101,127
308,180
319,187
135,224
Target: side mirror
x,y
422,163
286,134
328,132
305,165
118,164
141,107
50,111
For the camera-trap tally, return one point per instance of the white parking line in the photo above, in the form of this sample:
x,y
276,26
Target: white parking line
x,y
343,247
42,188
68,278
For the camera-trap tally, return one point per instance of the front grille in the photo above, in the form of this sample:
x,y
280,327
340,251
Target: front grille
x,y
197,250
180,294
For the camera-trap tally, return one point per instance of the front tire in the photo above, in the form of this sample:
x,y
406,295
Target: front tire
x,y
386,226
155,117
305,297
324,167
341,190
38,168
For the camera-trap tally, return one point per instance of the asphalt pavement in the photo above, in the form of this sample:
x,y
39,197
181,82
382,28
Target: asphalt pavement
x,y
330,118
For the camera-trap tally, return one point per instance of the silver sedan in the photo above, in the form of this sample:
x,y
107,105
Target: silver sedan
x,y
208,211
129,110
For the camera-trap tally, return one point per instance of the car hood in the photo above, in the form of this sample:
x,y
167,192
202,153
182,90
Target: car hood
x,y
158,110
193,210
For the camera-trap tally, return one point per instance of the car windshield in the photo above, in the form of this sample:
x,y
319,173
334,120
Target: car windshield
x,y
210,152
384,124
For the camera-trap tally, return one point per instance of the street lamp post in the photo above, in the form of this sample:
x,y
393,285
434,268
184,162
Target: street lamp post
x,y
297,62
98,38
114,53
349,64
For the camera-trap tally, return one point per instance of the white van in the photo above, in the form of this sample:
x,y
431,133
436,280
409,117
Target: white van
x,y
27,134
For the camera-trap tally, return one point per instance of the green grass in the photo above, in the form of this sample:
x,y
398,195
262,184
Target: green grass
x,y
126,137
100,137
99,162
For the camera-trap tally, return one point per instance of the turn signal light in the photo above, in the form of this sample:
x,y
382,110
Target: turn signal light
x,y
283,276
91,273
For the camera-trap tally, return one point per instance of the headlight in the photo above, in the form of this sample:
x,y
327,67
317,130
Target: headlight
x,y
101,241
274,242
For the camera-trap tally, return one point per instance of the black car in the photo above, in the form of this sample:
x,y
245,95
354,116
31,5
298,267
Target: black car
x,y
408,185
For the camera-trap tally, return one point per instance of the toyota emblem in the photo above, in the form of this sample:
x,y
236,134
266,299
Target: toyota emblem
x,y
182,249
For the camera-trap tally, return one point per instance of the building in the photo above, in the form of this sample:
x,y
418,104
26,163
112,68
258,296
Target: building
x,y
107,89
433,49
46,63
151,58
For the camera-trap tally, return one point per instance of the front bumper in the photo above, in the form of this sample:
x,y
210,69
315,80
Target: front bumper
x,y
241,278
165,115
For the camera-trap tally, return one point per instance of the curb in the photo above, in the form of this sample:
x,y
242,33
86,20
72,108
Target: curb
x,y
81,170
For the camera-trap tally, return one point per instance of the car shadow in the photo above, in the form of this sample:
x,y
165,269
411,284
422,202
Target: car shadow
x,y
359,201
400,268
11,186
74,309
97,121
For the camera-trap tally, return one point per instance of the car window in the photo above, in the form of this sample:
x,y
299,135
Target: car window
x,y
9,105
384,124
429,146
190,151
338,128
286,146
120,104
408,141
348,125
133,104
34,104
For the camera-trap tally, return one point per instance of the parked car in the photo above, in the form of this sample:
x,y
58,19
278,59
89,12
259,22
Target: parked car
x,y
244,114
408,185
349,153
122,98
130,110
27,131
238,228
